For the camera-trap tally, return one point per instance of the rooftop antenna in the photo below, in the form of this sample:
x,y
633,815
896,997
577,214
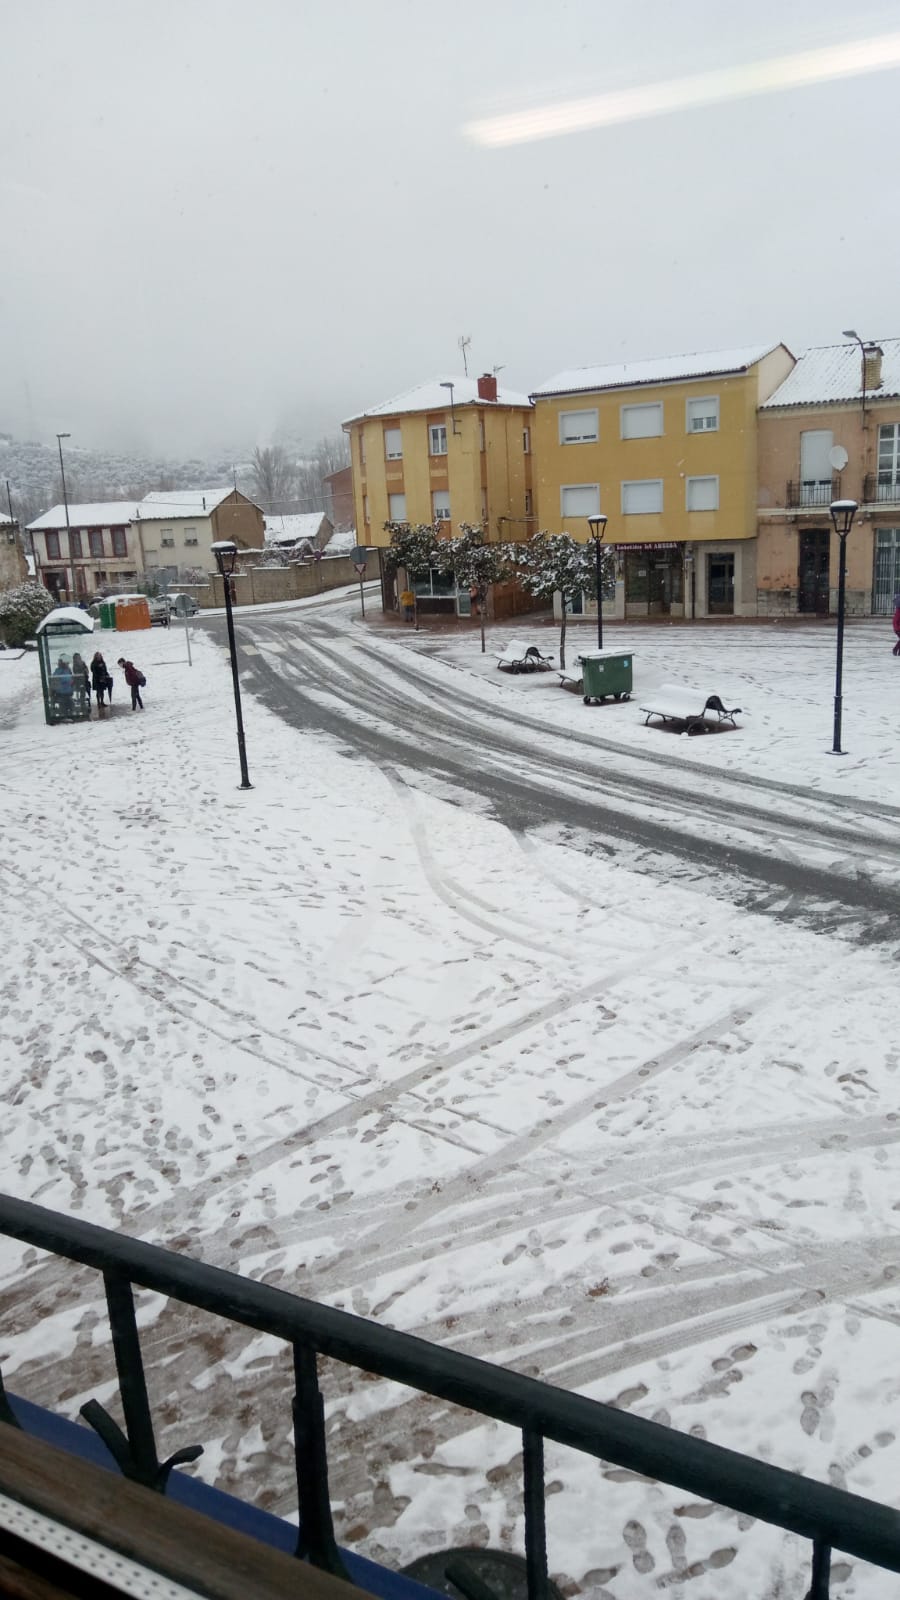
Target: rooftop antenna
x,y
464,340
501,368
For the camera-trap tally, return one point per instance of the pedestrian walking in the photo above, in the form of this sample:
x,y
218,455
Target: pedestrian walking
x,y
408,603
101,680
135,681
896,649
82,682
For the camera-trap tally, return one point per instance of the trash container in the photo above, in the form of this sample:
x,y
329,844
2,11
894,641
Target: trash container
x,y
605,674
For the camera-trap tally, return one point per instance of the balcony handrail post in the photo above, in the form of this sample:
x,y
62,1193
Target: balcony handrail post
x,y
535,1513
315,1540
132,1381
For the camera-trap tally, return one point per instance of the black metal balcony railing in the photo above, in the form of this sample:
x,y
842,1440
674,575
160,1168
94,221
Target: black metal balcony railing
x,y
813,491
881,488
829,1517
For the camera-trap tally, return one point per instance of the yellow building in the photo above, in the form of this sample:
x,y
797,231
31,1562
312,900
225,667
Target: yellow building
x,y
667,450
449,451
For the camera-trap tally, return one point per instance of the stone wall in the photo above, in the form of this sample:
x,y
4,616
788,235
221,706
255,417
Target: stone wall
x,y
13,566
269,585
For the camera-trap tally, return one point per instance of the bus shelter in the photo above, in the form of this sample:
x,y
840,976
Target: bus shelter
x,y
64,641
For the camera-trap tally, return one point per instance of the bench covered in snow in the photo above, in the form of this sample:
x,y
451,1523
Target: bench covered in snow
x,y
518,656
696,711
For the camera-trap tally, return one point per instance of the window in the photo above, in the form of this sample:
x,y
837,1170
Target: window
x,y
703,415
528,502
167,539
440,505
641,496
888,457
579,499
397,507
393,444
578,427
95,540
120,542
52,546
437,586
526,441
190,536
437,439
641,422
75,543
702,494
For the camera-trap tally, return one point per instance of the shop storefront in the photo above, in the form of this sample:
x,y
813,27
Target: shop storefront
x,y
653,577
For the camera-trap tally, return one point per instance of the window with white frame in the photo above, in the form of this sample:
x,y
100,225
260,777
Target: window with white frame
x,y
578,427
642,495
440,505
579,500
167,541
703,415
397,507
393,444
702,494
526,441
190,536
437,439
641,422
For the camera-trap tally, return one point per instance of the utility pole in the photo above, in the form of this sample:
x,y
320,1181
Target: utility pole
x,y
62,470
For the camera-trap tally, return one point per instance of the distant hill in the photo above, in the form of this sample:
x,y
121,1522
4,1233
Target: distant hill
x,y
34,481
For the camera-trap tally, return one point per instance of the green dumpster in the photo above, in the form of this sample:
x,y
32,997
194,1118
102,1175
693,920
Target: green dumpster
x,y
107,613
605,674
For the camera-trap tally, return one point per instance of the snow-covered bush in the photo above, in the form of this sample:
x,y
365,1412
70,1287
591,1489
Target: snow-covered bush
x,y
21,609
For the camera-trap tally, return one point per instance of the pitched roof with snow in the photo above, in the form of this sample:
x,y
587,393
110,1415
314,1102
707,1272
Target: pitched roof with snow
x,y
293,526
433,396
4,518
102,514
664,369
830,373
161,505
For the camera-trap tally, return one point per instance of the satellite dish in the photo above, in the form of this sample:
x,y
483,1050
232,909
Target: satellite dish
x,y
838,457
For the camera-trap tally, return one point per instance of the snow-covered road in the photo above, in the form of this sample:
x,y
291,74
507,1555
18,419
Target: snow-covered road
x,y
573,1048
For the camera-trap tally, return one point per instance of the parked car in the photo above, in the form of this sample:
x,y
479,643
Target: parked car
x,y
187,605
159,611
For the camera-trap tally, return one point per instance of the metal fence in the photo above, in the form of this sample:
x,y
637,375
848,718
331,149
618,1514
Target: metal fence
x,y
881,488
813,491
830,1518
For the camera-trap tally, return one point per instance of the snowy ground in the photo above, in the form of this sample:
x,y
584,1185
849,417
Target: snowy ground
x,y
352,1033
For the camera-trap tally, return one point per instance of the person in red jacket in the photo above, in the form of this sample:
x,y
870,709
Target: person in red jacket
x,y
135,681
896,650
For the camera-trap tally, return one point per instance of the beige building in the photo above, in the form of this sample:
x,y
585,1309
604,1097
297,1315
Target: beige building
x,y
831,431
95,547
13,566
178,526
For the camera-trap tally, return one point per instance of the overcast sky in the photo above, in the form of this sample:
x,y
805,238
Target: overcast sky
x,y
222,218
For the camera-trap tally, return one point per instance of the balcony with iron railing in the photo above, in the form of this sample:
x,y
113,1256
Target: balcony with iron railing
x,y
813,493
826,1516
881,489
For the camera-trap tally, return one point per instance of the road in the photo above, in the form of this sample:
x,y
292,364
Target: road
x,y
830,864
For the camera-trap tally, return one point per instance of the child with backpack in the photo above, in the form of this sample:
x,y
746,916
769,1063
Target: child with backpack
x,y
135,681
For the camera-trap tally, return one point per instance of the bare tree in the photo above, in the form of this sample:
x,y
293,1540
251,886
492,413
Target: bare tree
x,y
274,477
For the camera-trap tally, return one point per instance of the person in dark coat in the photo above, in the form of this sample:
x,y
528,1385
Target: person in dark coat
x,y
135,681
82,682
101,680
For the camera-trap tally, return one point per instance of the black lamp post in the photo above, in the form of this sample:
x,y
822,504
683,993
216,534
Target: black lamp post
x,y
225,552
597,525
842,514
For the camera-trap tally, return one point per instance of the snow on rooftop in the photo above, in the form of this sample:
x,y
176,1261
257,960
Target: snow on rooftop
x,y
294,525
73,616
160,504
662,369
833,372
5,518
340,544
434,396
101,514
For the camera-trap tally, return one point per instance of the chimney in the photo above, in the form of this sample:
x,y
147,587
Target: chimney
x,y
872,356
487,386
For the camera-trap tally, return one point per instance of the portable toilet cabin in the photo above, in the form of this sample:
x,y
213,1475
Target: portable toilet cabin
x,y
64,640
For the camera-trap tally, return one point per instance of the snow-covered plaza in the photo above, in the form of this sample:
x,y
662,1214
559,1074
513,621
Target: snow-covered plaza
x,y
606,1104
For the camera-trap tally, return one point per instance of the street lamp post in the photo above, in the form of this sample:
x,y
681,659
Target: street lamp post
x,y
225,552
62,473
842,514
597,525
